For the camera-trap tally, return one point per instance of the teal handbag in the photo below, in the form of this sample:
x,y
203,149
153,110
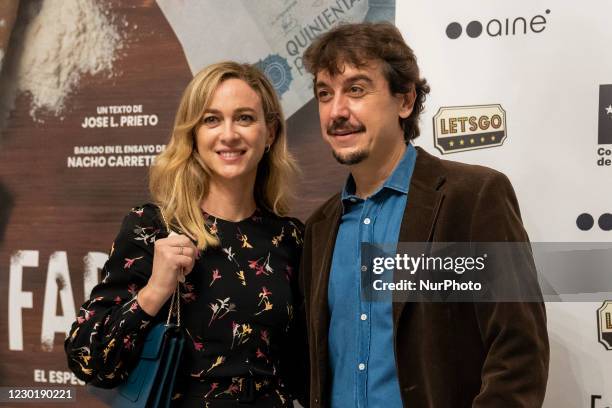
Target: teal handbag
x,y
150,383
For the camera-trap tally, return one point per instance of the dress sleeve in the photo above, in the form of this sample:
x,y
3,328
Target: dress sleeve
x,y
105,340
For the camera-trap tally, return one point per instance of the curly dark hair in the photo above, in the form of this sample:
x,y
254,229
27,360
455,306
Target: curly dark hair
x,y
356,44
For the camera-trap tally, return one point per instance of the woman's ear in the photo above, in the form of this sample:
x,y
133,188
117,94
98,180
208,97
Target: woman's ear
x,y
194,139
271,136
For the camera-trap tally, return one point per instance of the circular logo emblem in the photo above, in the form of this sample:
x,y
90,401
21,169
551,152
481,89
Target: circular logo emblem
x,y
278,72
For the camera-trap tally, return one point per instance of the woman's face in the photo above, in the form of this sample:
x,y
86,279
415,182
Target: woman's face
x,y
233,133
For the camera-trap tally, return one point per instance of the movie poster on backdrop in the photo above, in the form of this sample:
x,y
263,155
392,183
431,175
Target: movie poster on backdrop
x,y
272,34
89,93
80,124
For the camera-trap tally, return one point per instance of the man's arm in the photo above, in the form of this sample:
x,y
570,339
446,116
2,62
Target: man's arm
x,y
515,370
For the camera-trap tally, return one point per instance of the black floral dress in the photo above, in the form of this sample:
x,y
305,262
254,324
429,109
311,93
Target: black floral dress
x,y
241,311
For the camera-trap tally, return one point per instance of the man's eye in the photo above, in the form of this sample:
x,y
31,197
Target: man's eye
x,y
356,90
323,95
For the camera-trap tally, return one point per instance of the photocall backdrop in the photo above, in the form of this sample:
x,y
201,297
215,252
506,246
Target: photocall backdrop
x,y
88,92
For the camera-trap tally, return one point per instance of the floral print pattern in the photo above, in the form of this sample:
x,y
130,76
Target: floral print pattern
x,y
237,308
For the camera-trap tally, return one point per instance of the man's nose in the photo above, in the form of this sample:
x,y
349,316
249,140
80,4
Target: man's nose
x,y
339,108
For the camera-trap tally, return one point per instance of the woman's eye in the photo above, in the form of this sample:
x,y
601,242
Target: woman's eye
x,y
210,120
245,118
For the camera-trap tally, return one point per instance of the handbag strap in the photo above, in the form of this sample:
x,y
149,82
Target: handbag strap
x,y
175,306
175,301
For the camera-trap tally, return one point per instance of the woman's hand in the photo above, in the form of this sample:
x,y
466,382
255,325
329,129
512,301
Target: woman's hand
x,y
174,257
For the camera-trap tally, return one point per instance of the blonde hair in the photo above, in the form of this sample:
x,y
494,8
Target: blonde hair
x,y
178,181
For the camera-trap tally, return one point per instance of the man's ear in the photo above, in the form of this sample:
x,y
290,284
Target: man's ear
x,y
406,101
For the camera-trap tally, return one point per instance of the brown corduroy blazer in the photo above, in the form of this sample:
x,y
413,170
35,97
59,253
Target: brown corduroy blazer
x,y
492,355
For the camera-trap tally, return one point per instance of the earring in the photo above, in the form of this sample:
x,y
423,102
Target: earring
x,y
268,148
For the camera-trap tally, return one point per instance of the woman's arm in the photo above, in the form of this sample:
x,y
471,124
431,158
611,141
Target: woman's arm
x,y
106,337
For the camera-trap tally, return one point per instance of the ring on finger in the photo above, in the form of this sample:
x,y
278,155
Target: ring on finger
x,y
181,251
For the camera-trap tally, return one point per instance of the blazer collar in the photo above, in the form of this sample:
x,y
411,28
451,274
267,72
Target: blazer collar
x,y
425,197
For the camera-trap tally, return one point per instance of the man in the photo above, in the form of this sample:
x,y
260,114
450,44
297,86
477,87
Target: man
x,y
382,354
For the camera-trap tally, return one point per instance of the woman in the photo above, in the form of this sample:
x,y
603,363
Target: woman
x,y
223,184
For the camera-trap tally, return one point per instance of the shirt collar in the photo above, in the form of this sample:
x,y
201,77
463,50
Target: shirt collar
x,y
399,179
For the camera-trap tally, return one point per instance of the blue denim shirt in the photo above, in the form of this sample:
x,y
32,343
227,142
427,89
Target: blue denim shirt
x,y
361,332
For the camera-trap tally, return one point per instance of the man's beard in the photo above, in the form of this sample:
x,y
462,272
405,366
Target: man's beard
x,y
343,125
351,158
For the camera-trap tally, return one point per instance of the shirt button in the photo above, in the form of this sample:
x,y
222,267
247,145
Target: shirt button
x,y
366,221
361,366
364,317
364,268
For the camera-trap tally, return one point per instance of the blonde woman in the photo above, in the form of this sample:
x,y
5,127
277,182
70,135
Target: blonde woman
x,y
223,183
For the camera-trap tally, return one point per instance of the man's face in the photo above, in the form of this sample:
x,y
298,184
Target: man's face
x,y
359,115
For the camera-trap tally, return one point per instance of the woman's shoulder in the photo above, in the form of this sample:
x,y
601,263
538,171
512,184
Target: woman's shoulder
x,y
145,211
294,222
288,226
284,220
148,209
147,215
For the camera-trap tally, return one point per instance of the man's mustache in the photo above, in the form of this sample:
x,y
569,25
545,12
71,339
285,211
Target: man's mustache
x,y
343,127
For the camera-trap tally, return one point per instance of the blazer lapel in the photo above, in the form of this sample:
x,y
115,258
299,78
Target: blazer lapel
x,y
422,207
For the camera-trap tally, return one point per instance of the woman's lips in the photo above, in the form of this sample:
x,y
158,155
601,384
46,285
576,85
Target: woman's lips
x,y
231,155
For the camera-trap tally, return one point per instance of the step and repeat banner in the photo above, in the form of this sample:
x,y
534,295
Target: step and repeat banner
x,y
526,88
88,92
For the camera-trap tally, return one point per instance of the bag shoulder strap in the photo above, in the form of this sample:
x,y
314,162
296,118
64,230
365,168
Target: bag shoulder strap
x,y
175,300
